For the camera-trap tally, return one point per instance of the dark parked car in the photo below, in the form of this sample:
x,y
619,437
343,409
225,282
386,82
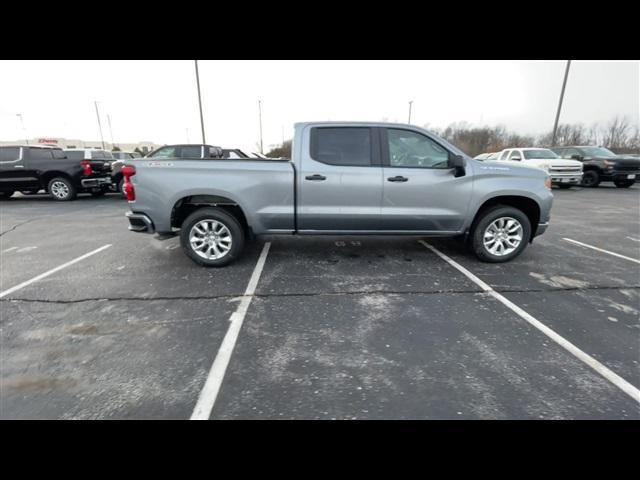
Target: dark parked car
x,y
29,169
602,165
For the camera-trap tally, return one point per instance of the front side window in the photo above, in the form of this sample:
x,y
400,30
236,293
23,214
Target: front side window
x,y
166,152
504,155
9,154
193,151
515,155
341,146
569,152
411,149
40,154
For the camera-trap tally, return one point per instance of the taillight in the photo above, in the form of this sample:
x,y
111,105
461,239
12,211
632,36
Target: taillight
x,y
129,171
86,167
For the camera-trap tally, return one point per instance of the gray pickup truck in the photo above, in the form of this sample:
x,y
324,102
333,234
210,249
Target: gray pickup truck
x,y
345,178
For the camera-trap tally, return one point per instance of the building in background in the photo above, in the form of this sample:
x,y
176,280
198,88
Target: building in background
x,y
144,147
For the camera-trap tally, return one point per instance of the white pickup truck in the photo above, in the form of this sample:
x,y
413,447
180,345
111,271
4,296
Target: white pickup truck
x,y
563,172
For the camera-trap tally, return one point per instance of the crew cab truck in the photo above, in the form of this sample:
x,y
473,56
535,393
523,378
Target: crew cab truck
x,y
30,168
563,173
344,179
602,165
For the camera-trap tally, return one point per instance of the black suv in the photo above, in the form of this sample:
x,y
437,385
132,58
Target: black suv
x,y
29,169
602,165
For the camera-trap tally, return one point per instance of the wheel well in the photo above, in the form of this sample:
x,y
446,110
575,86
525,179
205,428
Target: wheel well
x,y
48,176
187,205
528,206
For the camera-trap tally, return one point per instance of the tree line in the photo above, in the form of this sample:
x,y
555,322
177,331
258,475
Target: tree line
x,y
619,135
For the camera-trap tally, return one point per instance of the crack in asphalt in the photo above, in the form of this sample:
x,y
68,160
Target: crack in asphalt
x,y
18,225
315,294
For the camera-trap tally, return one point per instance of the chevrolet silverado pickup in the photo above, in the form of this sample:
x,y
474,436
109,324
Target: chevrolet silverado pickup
x,y
345,178
602,165
564,173
30,168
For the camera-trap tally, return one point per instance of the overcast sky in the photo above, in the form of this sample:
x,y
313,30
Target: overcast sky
x,y
157,100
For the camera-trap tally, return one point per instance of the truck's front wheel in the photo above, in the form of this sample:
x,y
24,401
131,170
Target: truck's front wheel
x,y
211,237
500,234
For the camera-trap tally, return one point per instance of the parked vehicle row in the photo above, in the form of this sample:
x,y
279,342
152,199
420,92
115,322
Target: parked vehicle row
x,y
343,179
575,165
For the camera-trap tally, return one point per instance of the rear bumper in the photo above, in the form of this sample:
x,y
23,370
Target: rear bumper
x,y
139,222
95,182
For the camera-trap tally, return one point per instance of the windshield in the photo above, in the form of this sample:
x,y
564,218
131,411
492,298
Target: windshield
x,y
542,153
597,152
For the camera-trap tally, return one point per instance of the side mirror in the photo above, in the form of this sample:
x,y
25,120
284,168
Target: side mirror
x,y
515,159
457,162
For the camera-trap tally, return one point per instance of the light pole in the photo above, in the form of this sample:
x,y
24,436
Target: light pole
x,y
99,124
200,102
110,132
564,84
260,119
24,130
410,103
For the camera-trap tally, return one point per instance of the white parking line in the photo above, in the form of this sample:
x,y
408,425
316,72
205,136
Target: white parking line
x,y
634,239
9,249
52,271
209,393
614,378
601,250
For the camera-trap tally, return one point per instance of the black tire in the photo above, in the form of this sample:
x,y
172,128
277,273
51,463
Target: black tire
x,y
60,193
234,229
623,183
590,178
121,188
485,219
6,194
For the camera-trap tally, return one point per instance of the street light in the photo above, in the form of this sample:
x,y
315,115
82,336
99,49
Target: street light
x,y
564,84
99,124
260,119
24,130
200,101
410,103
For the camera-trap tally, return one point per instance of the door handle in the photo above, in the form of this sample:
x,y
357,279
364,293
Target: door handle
x,y
398,178
316,177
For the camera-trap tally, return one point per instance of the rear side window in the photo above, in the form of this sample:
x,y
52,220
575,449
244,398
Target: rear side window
x,y
341,146
193,151
9,154
75,155
40,154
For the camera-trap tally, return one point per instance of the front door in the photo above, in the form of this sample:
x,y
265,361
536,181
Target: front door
x,y
340,180
421,192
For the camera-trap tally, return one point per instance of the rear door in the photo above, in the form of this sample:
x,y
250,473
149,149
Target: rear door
x,y
12,169
340,179
421,192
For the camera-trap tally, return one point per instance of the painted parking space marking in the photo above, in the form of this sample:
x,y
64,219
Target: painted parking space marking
x,y
209,393
9,249
52,271
611,376
634,239
601,250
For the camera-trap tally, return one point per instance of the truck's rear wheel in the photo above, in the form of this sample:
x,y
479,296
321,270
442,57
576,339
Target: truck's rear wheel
x,y
211,237
61,189
500,234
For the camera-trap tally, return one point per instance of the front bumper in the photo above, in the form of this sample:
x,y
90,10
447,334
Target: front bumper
x,y
624,175
95,182
139,222
566,178
542,227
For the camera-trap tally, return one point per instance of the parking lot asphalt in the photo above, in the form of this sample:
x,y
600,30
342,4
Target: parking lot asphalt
x,y
339,327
